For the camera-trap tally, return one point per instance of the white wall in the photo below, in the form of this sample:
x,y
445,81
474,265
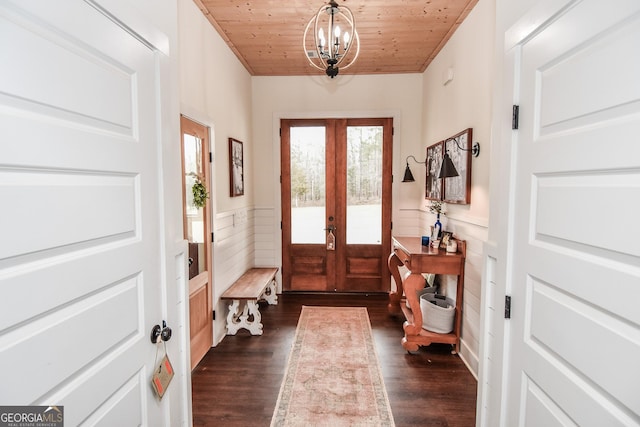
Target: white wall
x,y
397,96
344,96
215,90
464,102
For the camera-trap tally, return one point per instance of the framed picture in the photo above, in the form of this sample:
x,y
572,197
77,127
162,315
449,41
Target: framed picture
x,y
444,240
457,189
236,168
433,190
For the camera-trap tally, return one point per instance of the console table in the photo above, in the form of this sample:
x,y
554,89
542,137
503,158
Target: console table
x,y
408,251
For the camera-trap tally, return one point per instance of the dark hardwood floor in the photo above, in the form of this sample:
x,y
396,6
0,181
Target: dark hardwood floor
x,y
237,382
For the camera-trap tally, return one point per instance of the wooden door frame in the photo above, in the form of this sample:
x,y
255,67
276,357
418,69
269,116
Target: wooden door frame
x,y
192,127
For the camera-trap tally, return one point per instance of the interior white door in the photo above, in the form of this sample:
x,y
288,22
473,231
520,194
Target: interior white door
x,y
80,247
575,327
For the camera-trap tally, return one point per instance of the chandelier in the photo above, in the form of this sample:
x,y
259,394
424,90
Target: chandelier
x,y
331,52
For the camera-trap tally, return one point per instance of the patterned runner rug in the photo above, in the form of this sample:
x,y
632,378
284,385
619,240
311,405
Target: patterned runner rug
x,y
333,377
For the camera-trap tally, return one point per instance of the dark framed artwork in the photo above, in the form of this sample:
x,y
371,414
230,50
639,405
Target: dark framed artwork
x,y
433,190
236,168
457,189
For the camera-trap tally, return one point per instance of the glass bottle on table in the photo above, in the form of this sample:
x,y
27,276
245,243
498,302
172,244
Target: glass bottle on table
x,y
437,229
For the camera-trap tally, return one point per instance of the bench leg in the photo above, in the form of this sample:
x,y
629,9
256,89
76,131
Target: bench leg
x,y
254,326
269,294
233,318
237,319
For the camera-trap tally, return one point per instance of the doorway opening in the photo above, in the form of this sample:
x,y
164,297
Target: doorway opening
x,y
196,202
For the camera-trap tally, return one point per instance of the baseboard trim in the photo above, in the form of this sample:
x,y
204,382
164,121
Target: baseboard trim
x,y
467,362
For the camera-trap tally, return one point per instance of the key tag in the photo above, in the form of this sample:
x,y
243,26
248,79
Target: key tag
x,y
331,241
162,374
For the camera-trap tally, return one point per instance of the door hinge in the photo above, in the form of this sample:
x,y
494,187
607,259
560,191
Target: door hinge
x,y
211,237
392,225
507,306
280,225
210,157
213,315
280,131
393,131
515,117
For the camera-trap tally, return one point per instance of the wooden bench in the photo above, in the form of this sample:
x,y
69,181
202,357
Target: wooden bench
x,y
255,285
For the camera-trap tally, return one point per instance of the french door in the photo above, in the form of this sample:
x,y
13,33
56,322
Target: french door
x,y
336,204
196,220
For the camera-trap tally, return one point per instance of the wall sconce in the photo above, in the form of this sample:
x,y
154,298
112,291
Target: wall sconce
x,y
408,176
447,170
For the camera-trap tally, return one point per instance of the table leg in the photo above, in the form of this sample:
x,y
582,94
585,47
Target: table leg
x,y
412,284
395,296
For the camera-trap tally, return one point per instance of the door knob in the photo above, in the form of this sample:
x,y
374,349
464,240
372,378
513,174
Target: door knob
x,y
163,333
155,333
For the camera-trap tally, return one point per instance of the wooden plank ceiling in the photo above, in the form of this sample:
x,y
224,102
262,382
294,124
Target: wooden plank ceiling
x,y
396,36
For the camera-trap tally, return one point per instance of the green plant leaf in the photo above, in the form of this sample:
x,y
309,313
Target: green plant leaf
x,y
200,194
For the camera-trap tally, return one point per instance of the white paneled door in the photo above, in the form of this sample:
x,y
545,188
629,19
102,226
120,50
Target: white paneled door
x,y
80,270
575,329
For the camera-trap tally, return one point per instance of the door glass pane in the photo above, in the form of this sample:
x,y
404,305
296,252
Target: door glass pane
x,y
194,214
364,184
307,159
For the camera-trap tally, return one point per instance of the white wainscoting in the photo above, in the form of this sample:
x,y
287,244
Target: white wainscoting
x,y
268,241
234,252
244,238
267,229
475,233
